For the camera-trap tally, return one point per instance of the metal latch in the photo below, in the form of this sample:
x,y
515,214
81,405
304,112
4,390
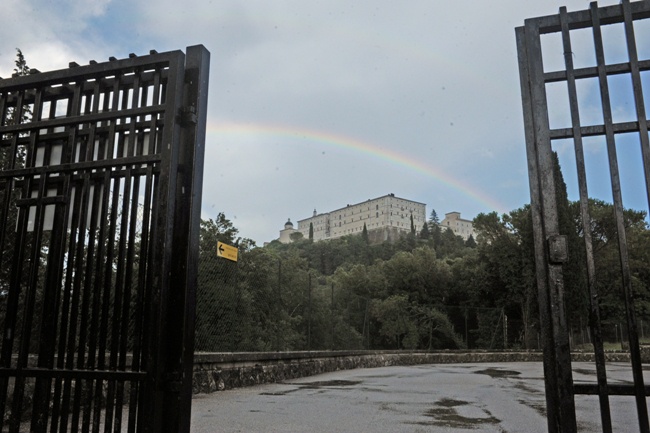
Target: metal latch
x,y
187,116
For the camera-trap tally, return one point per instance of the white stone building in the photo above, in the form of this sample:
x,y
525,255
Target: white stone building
x,y
285,235
386,218
460,227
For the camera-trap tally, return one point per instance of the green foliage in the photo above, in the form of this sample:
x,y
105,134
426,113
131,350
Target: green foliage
x,y
415,293
296,237
424,233
397,326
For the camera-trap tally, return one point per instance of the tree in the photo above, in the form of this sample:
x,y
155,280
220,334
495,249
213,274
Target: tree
x,y
364,234
15,115
604,235
450,244
8,161
507,282
434,228
311,232
396,323
424,233
433,217
20,69
296,237
222,303
412,226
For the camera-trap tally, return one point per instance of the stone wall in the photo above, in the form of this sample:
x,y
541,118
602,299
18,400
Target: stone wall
x,y
220,371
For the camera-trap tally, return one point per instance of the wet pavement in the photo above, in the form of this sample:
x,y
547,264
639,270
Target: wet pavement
x,y
503,397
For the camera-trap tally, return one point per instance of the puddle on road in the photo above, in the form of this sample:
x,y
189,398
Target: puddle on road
x,y
584,371
314,385
539,407
328,383
495,373
445,414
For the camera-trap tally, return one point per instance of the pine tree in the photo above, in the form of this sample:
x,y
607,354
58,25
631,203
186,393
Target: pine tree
x,y
424,233
20,70
311,231
364,234
434,228
433,217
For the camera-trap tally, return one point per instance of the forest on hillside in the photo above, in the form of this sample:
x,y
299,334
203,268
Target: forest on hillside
x,y
430,290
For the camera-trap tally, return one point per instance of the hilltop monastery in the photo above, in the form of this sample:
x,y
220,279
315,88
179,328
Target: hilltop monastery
x,y
386,218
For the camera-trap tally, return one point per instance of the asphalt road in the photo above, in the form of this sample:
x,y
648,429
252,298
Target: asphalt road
x,y
505,397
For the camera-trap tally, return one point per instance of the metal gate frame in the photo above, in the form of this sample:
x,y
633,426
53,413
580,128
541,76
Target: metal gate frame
x,y
100,200
550,245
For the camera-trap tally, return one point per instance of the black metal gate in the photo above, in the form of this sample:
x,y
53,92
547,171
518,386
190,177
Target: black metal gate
x,y
550,244
100,191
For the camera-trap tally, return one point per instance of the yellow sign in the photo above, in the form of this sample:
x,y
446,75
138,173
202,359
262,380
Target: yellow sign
x,y
226,251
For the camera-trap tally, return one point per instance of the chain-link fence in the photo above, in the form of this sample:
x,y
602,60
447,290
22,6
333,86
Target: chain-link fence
x,y
266,303
615,336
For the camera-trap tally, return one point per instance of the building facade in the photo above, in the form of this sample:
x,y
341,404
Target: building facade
x,y
285,234
386,218
460,227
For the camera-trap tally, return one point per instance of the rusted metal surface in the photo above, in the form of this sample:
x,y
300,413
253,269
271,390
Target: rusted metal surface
x,y
100,188
549,254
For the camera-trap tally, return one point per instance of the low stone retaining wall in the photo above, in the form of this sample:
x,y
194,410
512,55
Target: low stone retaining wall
x,y
220,371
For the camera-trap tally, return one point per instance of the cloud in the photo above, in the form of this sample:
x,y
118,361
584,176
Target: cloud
x,y
426,81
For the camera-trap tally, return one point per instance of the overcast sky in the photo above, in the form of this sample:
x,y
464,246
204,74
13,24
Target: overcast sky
x,y
319,104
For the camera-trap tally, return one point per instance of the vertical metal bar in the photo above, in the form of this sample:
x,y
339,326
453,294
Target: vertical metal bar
x,y
92,284
11,312
11,319
80,223
56,257
108,293
633,338
128,283
118,299
49,317
96,338
142,296
637,88
129,151
161,379
557,365
87,327
599,353
30,301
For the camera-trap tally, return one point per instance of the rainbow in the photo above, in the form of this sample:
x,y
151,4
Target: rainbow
x,y
349,143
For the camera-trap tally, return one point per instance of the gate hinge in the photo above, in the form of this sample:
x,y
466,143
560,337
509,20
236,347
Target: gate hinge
x,y
187,116
558,250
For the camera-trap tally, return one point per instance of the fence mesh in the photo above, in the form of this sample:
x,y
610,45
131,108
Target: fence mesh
x,y
277,305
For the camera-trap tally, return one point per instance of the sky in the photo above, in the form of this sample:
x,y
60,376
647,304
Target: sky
x,y
314,105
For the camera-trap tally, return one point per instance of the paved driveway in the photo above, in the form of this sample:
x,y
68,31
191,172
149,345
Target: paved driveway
x,y
505,397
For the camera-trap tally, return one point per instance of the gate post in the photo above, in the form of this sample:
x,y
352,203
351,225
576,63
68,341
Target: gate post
x,y
550,245
560,403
